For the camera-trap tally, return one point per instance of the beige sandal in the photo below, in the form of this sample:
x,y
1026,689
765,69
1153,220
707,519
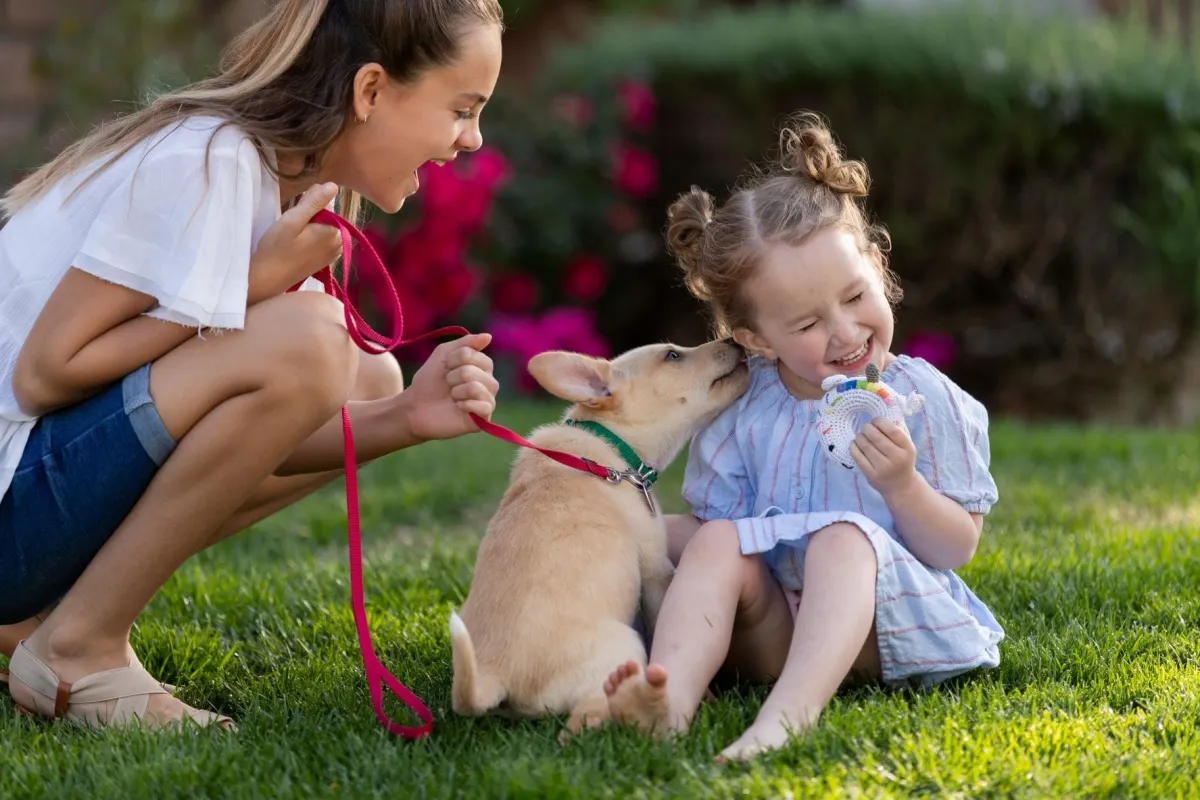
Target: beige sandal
x,y
86,699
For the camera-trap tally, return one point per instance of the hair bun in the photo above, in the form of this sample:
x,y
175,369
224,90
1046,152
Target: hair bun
x,y
687,220
807,148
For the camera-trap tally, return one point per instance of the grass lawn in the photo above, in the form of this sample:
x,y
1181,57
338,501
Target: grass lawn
x,y
1091,562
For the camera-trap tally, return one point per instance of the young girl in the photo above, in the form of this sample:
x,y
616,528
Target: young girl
x,y
803,571
160,389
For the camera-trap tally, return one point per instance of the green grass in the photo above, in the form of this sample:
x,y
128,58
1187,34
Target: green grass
x,y
1091,562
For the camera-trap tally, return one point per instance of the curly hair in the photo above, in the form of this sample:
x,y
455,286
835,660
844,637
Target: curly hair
x,y
809,188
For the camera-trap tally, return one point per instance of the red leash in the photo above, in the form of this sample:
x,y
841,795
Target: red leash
x,y
371,341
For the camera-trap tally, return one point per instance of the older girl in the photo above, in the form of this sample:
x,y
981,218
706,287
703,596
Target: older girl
x,y
160,389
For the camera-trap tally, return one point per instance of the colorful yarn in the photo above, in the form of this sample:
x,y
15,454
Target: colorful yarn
x,y
848,399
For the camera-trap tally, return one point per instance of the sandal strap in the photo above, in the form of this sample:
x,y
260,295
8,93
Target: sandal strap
x,y
131,687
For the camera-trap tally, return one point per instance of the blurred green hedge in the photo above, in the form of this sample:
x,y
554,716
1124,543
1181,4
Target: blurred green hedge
x,y
1039,176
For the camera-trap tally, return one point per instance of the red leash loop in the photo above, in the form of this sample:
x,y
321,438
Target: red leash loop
x,y
371,341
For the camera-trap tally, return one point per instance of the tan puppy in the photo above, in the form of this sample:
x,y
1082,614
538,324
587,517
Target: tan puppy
x,y
567,555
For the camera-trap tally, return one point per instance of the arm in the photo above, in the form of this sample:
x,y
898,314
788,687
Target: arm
x,y
457,380
938,492
90,333
93,332
937,529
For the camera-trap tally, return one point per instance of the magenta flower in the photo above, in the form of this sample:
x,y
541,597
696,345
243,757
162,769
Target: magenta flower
x,y
936,348
637,104
514,293
635,171
585,278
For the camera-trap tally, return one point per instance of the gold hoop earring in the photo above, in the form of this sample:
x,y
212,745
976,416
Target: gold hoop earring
x,y
360,120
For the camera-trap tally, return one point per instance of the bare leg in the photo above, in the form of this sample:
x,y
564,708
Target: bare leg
x,y
835,631
680,530
379,377
714,588
261,391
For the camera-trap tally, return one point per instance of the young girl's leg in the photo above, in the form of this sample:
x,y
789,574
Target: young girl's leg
x,y
717,597
834,632
238,405
680,530
378,377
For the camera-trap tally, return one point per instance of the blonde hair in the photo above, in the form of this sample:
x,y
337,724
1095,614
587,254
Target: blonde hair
x,y
286,81
809,188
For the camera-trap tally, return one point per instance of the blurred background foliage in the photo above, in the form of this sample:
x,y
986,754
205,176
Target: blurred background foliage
x,y
1037,164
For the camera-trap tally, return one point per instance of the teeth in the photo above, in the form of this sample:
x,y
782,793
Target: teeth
x,y
855,356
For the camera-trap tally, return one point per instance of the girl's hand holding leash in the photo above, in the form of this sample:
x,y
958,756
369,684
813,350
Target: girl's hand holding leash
x,y
455,382
294,247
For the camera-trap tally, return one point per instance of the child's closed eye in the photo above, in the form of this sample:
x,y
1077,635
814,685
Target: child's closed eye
x,y
856,298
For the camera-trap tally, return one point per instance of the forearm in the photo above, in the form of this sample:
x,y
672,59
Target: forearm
x,y
936,529
269,278
379,427
107,358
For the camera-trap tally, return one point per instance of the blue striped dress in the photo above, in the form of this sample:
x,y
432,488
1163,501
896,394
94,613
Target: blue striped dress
x,y
761,464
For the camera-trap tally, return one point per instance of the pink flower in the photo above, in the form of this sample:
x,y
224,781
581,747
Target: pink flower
x,y
489,168
585,278
576,110
447,293
936,348
569,328
637,104
458,197
635,171
514,293
521,337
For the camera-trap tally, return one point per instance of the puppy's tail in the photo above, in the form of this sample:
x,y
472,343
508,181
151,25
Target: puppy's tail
x,y
472,694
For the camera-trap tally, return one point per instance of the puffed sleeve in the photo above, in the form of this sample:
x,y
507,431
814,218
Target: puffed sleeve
x,y
950,433
716,481
180,229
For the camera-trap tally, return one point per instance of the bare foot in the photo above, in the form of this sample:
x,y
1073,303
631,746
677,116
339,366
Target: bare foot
x,y
767,733
641,699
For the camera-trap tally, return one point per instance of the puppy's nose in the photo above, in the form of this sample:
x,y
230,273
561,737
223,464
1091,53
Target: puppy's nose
x,y
731,341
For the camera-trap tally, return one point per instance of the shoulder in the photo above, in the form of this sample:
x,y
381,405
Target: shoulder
x,y
908,374
201,142
764,394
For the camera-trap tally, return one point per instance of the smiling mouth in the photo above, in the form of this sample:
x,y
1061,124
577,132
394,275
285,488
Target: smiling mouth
x,y
856,356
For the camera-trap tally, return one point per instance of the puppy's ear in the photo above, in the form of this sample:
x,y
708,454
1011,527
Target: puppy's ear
x,y
573,377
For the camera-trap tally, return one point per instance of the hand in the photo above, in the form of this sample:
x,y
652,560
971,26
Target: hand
x,y
455,382
885,453
295,247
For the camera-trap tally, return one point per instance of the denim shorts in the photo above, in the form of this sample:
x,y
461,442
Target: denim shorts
x,y
82,471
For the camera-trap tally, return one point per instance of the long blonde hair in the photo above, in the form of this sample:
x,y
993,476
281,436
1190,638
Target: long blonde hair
x,y
287,82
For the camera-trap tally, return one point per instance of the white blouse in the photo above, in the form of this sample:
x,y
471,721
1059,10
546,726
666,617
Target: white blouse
x,y
177,218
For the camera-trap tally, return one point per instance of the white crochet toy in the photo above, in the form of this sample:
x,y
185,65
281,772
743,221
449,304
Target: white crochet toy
x,y
847,398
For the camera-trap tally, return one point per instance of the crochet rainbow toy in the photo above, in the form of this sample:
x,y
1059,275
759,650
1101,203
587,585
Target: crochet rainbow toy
x,y
851,400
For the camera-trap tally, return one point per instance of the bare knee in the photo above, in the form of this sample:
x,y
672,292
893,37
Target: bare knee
x,y
715,548
311,357
680,530
840,540
379,377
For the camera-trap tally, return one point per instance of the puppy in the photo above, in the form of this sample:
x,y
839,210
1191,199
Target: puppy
x,y
567,555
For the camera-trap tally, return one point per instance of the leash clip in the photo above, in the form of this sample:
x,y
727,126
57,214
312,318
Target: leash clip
x,y
612,476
